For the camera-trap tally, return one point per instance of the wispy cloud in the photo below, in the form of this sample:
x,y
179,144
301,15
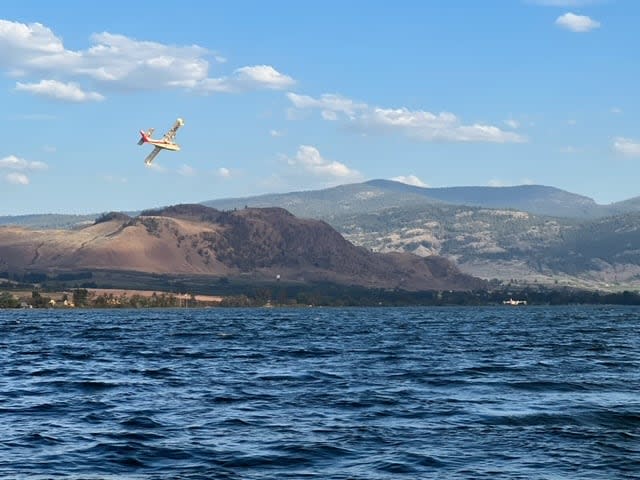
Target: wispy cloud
x,y
247,78
224,172
626,146
262,76
68,92
309,158
187,171
17,178
419,124
511,123
276,133
577,23
616,110
494,182
15,163
410,180
117,62
19,167
156,167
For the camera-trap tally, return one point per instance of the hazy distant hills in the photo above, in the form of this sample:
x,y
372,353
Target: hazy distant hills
x,y
376,195
330,202
626,206
379,195
263,244
536,199
48,220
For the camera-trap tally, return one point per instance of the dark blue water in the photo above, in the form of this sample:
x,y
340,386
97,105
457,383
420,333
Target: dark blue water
x,y
514,393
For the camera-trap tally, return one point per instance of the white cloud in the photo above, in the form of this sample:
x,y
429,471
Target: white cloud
x,y
247,78
20,165
224,172
419,124
511,123
577,23
329,115
309,158
626,146
263,76
187,171
17,38
276,133
219,58
410,180
329,104
14,163
17,178
118,62
69,92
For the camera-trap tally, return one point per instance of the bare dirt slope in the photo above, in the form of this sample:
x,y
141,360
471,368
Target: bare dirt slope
x,y
260,243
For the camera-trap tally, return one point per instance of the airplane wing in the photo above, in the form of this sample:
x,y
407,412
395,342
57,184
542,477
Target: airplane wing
x,y
154,153
171,134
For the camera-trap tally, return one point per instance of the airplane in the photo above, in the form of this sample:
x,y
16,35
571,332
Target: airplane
x,y
166,143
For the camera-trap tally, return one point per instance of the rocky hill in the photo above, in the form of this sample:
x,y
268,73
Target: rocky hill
x,y
509,245
551,237
248,243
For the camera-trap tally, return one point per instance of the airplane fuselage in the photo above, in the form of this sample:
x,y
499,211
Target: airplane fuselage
x,y
165,143
159,143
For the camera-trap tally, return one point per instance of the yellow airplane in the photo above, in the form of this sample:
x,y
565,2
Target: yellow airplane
x,y
166,143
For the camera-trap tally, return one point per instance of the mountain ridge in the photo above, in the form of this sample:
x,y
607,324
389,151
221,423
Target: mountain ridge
x,y
379,194
505,244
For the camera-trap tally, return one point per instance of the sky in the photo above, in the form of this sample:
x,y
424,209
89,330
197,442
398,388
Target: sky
x,y
281,96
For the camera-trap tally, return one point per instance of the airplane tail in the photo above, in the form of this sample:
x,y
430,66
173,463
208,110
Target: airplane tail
x,y
145,136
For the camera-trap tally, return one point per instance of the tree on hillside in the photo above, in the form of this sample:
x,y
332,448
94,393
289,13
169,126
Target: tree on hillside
x,y
80,297
8,301
38,301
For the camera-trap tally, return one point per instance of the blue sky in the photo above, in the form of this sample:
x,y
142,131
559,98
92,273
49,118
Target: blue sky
x,y
287,95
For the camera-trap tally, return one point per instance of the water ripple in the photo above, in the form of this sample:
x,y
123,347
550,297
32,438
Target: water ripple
x,y
321,393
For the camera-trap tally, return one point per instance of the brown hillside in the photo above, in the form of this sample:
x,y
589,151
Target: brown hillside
x,y
193,239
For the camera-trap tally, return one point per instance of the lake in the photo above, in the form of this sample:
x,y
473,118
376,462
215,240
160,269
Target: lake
x,y
327,393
